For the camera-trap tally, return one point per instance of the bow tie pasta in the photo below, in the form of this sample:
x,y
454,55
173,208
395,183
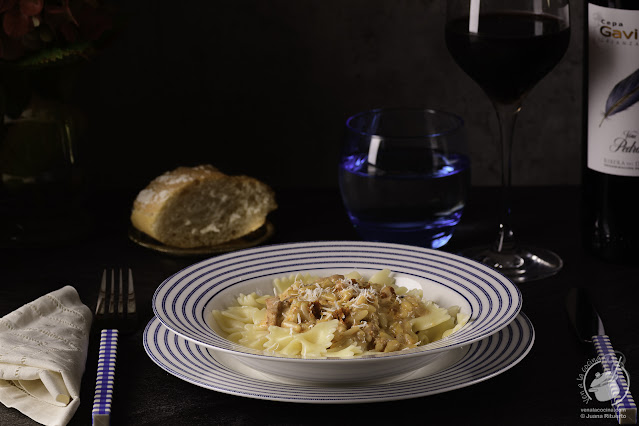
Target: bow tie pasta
x,y
337,316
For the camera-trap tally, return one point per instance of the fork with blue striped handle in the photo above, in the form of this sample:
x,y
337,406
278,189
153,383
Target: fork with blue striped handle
x,y
112,314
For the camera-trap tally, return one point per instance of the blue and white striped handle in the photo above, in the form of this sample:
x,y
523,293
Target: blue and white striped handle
x,y
104,381
622,400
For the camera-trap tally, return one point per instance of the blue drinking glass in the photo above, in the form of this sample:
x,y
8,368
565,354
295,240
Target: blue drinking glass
x,y
404,175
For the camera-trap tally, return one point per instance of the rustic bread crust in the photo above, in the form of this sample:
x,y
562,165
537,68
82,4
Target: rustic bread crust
x,y
201,206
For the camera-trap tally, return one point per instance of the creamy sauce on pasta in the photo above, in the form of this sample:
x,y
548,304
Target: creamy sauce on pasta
x,y
337,316
371,316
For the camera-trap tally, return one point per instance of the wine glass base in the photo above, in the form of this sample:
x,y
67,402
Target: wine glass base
x,y
523,264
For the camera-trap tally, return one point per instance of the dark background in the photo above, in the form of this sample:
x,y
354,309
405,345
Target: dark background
x,y
263,88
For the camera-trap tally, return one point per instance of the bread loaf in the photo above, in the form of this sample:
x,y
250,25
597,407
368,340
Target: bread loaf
x,y
201,206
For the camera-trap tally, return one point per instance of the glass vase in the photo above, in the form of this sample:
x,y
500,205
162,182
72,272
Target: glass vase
x,y
40,174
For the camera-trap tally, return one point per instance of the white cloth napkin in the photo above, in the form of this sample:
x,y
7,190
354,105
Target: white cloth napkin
x,y
43,352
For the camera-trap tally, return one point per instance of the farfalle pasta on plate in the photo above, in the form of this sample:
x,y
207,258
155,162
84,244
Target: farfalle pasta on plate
x,y
337,316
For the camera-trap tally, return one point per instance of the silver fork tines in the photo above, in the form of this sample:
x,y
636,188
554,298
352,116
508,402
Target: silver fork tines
x,y
110,304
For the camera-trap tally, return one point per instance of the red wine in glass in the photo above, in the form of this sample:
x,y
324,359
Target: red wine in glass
x,y
511,52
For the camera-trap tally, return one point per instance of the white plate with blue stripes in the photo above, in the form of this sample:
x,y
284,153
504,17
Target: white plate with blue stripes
x,y
456,369
184,301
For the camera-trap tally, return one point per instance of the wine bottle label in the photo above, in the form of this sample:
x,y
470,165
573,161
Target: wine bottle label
x,y
613,91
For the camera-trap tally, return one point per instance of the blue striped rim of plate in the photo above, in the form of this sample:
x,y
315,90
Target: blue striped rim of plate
x,y
183,301
466,366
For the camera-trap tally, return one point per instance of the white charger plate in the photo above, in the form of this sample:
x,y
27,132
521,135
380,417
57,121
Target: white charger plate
x,y
455,369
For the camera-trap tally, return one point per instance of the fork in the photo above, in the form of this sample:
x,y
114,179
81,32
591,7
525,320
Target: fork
x,y
112,315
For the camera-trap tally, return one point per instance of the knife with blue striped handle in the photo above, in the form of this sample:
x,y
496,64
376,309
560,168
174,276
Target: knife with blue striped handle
x,y
590,329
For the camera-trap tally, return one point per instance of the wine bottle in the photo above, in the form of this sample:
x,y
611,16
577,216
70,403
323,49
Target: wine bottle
x,y
611,129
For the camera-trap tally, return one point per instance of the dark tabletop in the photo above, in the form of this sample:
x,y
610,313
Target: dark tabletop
x,y
542,389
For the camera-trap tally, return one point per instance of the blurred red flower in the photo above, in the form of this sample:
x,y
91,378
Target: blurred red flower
x,y
34,26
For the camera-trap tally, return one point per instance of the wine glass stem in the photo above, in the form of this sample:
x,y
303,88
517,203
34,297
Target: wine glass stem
x,y
507,116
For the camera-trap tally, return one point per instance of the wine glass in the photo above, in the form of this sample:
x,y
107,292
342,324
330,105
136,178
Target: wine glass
x,y
507,46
